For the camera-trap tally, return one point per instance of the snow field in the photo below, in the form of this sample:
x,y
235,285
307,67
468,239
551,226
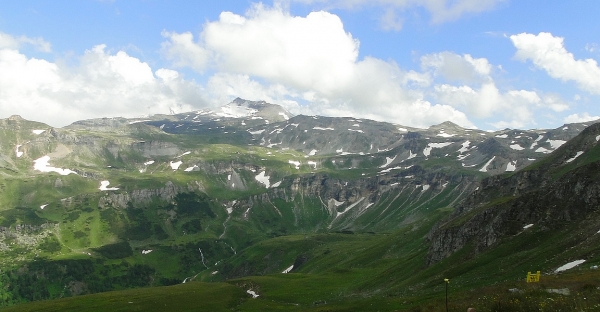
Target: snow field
x,y
569,265
251,292
41,164
295,163
517,147
264,179
104,184
430,146
465,147
175,165
276,184
388,161
511,166
190,168
484,168
574,157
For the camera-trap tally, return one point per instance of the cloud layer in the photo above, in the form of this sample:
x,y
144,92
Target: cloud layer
x,y
309,64
548,52
101,85
309,60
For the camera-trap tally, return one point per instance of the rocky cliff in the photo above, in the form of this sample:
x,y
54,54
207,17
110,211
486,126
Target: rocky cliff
x,y
560,190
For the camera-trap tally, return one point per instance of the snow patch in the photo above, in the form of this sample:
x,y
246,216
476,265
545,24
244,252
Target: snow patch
x,y
569,265
104,184
150,162
284,116
186,153
388,161
527,226
37,132
256,132
336,203
403,129
484,168
145,252
19,154
465,147
390,169
138,121
295,163
175,165
313,163
264,179
574,157
502,136
288,269
425,187
356,130
542,150
190,168
43,206
276,184
597,138
313,153
556,143
321,128
462,157
511,166
445,135
350,207
41,164
235,111
430,146
251,292
517,147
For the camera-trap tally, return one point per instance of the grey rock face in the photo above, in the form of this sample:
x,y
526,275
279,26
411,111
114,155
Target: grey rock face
x,y
548,196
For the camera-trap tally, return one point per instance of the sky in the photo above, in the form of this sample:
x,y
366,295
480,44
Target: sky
x,y
486,64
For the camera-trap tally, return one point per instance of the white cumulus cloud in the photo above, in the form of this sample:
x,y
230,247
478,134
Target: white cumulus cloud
x,y
12,42
583,117
456,67
549,53
478,95
270,54
101,84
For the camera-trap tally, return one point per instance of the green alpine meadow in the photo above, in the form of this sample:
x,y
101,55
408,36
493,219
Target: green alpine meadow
x,y
247,207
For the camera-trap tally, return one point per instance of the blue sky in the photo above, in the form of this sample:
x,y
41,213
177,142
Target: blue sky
x,y
489,64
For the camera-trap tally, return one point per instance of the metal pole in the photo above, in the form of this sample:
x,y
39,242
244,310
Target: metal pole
x,y
447,282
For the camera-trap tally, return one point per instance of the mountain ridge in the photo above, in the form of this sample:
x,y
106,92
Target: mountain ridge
x,y
206,195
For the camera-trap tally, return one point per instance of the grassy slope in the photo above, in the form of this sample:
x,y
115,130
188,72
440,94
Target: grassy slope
x,y
343,272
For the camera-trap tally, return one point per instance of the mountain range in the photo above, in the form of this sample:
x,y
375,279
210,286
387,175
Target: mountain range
x,y
235,196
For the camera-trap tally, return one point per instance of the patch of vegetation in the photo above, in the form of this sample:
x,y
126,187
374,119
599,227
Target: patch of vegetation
x,y
115,251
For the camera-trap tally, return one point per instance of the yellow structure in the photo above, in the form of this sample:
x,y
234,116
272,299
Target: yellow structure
x,y
533,278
